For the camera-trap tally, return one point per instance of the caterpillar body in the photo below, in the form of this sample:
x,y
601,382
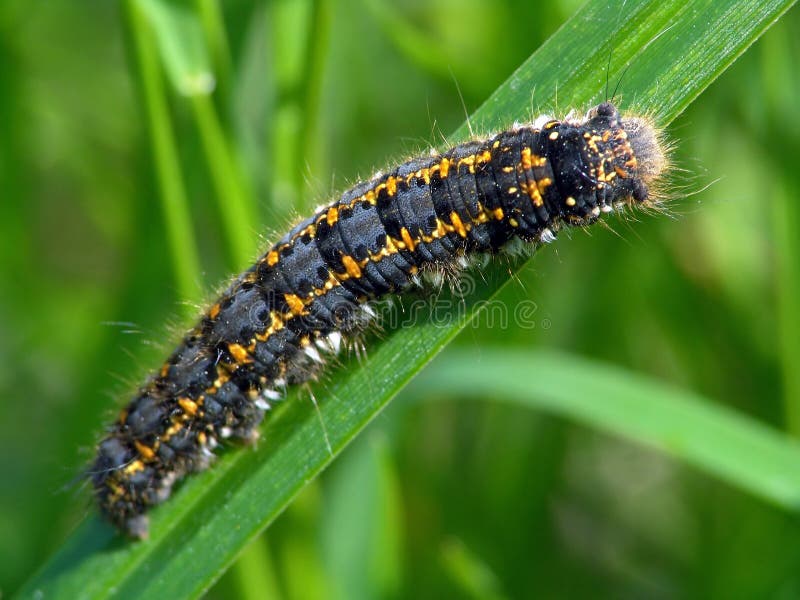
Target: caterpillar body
x,y
308,292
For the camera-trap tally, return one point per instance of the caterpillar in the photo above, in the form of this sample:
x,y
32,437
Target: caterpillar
x,y
309,292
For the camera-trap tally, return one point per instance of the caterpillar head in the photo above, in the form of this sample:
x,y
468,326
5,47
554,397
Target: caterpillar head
x,y
624,154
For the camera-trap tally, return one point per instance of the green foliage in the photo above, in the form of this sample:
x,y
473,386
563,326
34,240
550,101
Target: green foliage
x,y
102,152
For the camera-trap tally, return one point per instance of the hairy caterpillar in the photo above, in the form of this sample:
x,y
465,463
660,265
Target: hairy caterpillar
x,y
274,323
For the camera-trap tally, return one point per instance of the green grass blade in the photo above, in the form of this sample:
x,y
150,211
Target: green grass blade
x,y
738,450
198,533
182,45
786,217
234,198
183,248
210,12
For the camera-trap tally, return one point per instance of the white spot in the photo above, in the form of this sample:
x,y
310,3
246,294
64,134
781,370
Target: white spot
x,y
280,382
271,394
547,236
335,339
606,208
207,453
212,442
462,261
225,432
539,121
416,280
368,311
436,278
596,211
262,404
312,353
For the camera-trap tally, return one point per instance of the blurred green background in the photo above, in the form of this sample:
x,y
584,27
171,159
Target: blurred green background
x,y
452,497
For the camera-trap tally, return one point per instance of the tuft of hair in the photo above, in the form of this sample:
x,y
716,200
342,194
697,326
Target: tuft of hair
x,y
653,153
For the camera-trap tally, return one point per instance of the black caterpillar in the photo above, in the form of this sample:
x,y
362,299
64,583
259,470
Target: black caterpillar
x,y
307,293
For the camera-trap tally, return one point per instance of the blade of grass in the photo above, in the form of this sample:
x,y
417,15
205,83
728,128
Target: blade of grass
x,y
236,202
198,533
214,29
183,248
183,49
782,147
738,450
310,90
254,573
300,32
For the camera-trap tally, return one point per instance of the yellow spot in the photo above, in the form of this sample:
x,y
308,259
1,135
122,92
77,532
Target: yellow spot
x,y
444,167
173,429
391,186
484,157
467,160
332,216
188,406
136,465
570,201
498,213
526,161
513,222
530,160
201,438
164,370
239,354
222,377
214,312
295,303
272,258
512,190
407,239
533,194
543,184
553,136
459,226
351,266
